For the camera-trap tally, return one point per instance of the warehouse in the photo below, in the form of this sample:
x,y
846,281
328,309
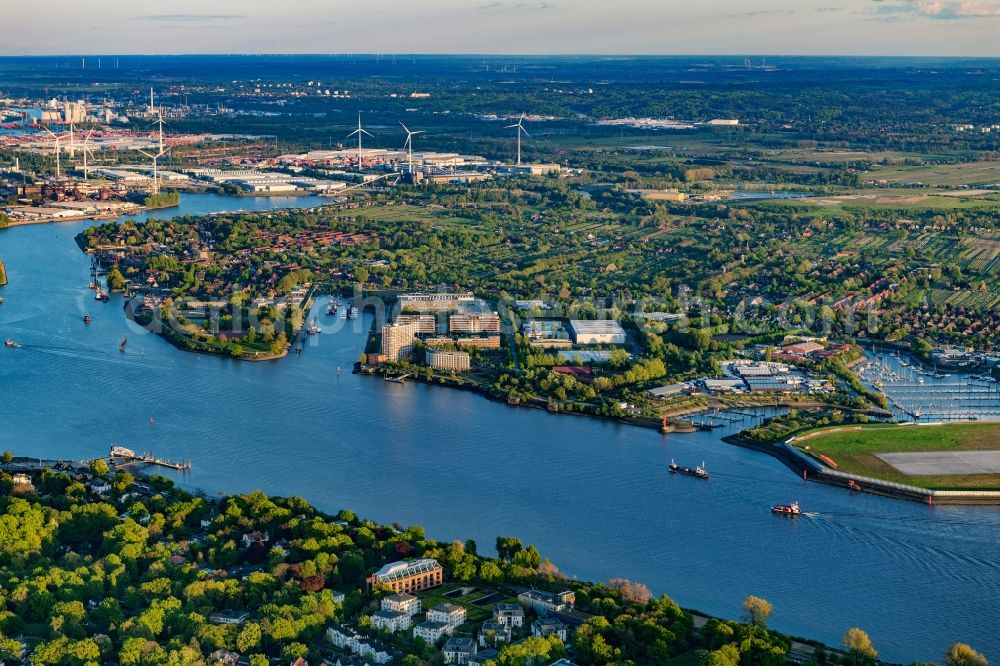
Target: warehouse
x,y
597,332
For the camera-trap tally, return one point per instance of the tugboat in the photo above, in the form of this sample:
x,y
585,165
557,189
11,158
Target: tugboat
x,y
698,472
11,343
86,319
787,509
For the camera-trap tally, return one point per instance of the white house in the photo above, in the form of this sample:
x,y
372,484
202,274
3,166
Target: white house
x,y
343,637
391,621
371,649
459,650
402,603
547,602
546,627
430,631
494,633
511,615
229,617
451,614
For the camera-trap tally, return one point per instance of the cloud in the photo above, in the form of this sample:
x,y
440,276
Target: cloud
x,y
186,18
942,9
761,12
530,6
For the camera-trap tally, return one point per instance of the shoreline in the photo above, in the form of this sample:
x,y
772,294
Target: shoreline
x,y
812,469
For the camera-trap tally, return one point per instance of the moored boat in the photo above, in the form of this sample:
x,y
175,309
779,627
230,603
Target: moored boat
x,y
10,343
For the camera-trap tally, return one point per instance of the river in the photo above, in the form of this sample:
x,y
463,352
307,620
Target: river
x,y
593,496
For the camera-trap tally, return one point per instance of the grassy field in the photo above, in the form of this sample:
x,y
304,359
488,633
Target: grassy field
x,y
855,451
475,614
966,173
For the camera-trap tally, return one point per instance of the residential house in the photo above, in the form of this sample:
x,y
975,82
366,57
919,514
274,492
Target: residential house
x,y
451,614
339,597
391,621
431,631
459,650
374,650
547,602
225,657
483,656
511,615
494,633
402,603
343,637
251,538
229,617
546,627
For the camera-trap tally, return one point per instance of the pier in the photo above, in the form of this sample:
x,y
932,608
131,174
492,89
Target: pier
x,y
123,457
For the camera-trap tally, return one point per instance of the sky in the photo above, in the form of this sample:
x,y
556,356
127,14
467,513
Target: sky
x,y
729,27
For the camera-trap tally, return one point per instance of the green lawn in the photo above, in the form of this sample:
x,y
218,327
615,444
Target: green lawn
x,y
856,451
474,614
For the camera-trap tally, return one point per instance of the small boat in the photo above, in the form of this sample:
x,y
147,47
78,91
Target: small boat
x,y
121,345
352,312
397,380
86,319
11,343
99,295
698,472
787,509
853,485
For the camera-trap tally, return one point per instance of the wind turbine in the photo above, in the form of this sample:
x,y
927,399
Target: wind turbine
x,y
58,151
160,153
409,143
86,168
359,132
520,130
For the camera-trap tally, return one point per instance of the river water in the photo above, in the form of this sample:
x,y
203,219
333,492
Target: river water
x,y
593,496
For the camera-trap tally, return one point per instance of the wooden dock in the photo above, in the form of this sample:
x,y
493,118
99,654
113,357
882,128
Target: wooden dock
x,y
124,457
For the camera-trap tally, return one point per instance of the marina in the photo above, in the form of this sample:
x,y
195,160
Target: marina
x,y
919,393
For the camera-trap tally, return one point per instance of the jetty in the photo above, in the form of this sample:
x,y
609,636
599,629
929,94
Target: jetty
x,y
122,457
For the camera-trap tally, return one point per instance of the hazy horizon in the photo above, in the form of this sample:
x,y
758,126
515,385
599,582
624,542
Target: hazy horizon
x,y
916,28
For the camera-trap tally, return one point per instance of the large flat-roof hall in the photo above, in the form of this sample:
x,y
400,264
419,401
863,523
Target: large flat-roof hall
x,y
597,332
408,576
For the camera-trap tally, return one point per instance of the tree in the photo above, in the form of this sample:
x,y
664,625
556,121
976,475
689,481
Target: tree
x,y
99,468
757,611
249,637
635,592
961,654
7,457
361,274
856,642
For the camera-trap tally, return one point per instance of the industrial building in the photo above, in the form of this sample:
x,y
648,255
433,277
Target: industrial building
x,y
597,332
